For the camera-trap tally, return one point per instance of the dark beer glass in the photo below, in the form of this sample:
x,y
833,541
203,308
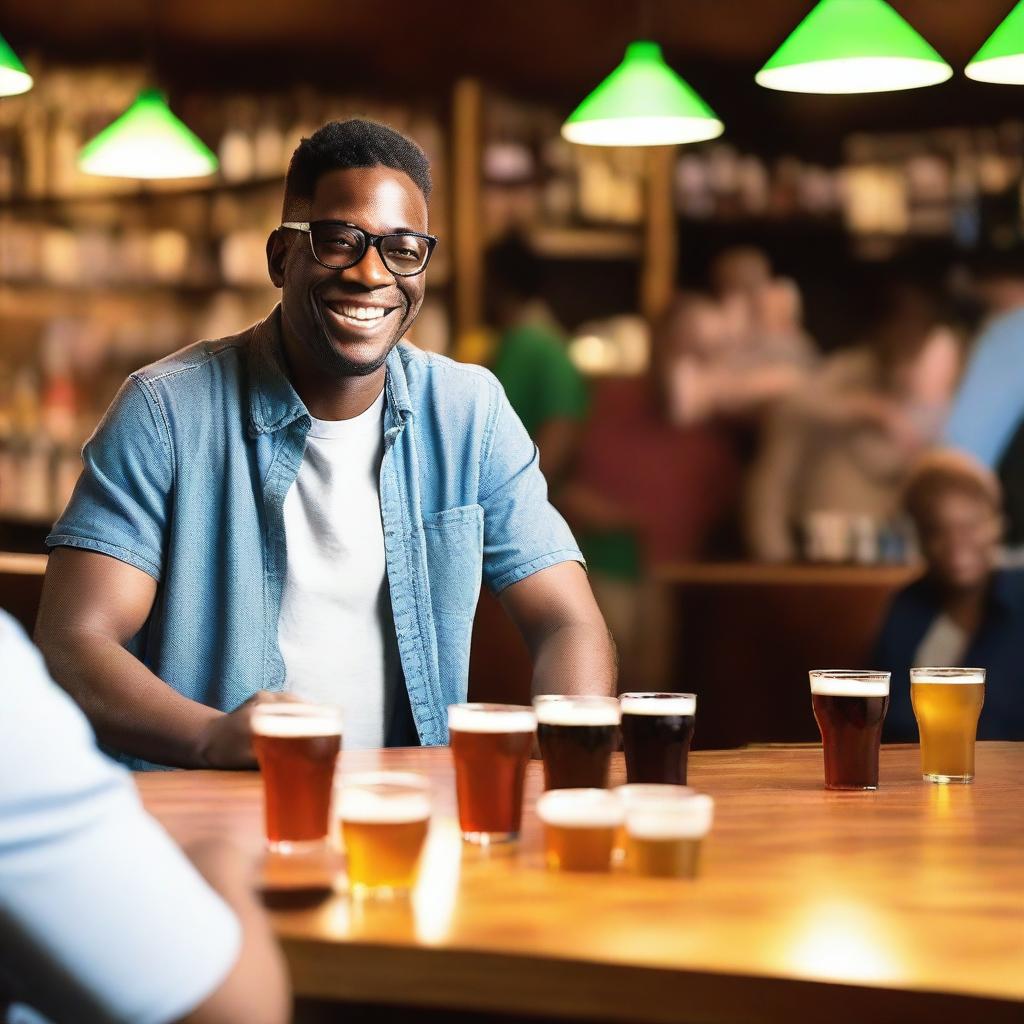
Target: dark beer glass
x,y
491,745
849,708
656,732
577,735
296,746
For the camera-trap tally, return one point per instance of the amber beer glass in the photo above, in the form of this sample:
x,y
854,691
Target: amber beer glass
x,y
296,746
665,834
947,704
656,732
577,735
384,819
491,745
632,793
849,708
579,828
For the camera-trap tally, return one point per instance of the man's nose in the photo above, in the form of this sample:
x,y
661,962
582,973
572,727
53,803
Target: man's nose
x,y
370,271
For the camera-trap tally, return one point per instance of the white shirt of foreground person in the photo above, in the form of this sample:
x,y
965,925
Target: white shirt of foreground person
x,y
102,917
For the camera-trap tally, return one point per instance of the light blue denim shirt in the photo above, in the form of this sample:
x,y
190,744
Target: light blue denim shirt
x,y
185,478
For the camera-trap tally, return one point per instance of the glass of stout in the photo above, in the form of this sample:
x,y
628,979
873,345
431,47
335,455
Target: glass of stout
x,y
850,707
577,734
656,732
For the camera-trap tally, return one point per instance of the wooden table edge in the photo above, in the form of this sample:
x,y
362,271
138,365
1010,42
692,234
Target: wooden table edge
x,y
481,981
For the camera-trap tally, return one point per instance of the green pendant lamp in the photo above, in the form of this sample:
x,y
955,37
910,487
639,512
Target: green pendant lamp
x,y
853,46
1001,59
147,141
14,79
643,102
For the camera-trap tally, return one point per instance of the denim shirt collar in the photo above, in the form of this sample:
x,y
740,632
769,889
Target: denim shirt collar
x,y
274,403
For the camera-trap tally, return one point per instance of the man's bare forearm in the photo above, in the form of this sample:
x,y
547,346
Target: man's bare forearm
x,y
576,657
130,708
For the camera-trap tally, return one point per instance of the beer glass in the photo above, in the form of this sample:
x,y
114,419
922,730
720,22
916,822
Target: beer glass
x,y
384,818
656,732
664,833
491,745
947,703
296,746
579,828
629,794
849,708
577,735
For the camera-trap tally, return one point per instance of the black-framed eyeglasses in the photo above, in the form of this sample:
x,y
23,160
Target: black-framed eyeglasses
x,y
338,246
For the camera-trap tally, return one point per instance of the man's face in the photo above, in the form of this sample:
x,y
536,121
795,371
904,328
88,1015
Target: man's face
x,y
349,320
959,538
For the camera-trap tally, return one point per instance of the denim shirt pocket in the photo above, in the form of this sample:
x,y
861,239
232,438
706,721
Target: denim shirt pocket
x,y
455,549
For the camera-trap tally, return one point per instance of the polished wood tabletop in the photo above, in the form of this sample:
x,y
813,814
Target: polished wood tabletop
x,y
903,904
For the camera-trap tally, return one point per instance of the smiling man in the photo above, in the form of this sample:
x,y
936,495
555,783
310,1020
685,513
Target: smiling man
x,y
308,508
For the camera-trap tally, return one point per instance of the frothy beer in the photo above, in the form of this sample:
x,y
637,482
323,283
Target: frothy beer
x,y
577,735
384,820
579,828
947,704
849,708
296,746
664,835
491,745
657,729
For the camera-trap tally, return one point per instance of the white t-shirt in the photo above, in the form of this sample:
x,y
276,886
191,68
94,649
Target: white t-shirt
x,y
336,631
102,917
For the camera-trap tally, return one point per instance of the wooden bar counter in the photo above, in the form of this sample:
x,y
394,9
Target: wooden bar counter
x,y
906,904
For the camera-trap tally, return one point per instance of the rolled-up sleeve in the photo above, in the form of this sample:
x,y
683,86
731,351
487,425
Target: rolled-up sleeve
x,y
119,505
523,532
101,915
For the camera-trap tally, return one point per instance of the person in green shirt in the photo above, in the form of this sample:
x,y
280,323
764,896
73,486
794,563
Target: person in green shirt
x,y
530,360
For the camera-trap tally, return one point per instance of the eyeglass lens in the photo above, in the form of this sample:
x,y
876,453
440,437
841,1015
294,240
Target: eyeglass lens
x,y
340,246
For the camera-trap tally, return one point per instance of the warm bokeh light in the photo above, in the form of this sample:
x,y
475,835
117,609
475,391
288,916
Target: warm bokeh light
x,y
435,895
843,940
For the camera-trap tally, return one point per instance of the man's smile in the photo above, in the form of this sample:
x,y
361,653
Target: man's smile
x,y
350,315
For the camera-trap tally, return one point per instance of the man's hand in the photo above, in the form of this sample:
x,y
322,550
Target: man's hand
x,y
226,741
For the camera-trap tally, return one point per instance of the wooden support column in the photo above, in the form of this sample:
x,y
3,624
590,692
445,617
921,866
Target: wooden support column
x,y
467,227
658,272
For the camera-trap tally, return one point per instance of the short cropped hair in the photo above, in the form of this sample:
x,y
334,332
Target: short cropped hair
x,y
945,471
340,145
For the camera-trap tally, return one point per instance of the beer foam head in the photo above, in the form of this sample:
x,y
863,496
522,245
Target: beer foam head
x,y
369,807
577,710
658,703
580,808
295,720
635,791
835,683
948,676
491,718
687,817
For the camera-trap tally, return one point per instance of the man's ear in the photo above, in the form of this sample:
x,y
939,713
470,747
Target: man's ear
x,y
277,253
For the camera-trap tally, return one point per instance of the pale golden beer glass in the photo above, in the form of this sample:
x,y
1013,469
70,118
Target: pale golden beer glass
x,y
947,704
297,746
579,828
633,792
384,819
664,834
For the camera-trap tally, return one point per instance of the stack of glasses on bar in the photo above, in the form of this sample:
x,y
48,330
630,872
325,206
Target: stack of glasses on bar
x,y
653,826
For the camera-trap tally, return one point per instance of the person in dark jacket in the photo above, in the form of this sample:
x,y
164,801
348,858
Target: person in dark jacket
x,y
964,610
